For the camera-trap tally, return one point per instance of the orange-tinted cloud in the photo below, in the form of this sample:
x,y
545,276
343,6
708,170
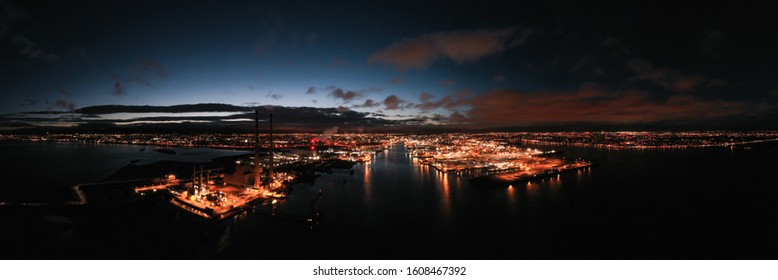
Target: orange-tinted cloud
x,y
459,46
393,102
424,97
593,105
671,79
451,102
345,95
368,104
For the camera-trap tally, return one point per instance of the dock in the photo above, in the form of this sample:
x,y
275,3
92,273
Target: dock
x,y
518,178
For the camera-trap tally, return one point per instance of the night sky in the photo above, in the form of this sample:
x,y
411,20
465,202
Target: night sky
x,y
389,66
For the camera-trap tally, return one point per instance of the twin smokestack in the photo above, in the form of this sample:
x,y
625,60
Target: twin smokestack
x,y
257,166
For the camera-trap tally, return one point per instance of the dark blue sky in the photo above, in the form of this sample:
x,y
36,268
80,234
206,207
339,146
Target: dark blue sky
x,y
453,63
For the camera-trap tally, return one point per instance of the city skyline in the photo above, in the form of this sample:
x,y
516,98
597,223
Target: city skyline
x,y
349,131
385,67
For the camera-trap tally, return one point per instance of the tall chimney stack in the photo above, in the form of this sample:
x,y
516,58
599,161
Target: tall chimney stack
x,y
271,148
257,169
194,179
201,177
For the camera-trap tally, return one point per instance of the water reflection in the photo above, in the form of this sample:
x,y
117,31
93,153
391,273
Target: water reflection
x,y
532,189
406,206
579,176
224,239
446,196
553,183
511,194
366,181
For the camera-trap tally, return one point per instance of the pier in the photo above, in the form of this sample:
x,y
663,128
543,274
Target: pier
x,y
527,177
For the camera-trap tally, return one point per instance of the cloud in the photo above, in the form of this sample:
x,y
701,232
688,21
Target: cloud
x,y
370,89
668,78
61,103
14,125
30,49
418,53
450,102
212,117
688,83
311,90
146,73
471,46
457,117
118,89
592,104
272,95
368,104
201,107
153,66
393,102
425,97
346,95
458,46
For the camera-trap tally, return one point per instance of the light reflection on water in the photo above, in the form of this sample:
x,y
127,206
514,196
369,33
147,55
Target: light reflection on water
x,y
394,207
400,196
446,199
366,182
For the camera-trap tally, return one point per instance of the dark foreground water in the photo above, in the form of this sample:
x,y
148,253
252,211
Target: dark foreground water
x,y
668,204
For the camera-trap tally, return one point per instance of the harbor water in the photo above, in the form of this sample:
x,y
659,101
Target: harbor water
x,y
713,203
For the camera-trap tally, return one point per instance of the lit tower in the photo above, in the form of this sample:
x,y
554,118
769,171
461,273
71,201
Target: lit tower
x,y
201,178
257,168
270,172
194,180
